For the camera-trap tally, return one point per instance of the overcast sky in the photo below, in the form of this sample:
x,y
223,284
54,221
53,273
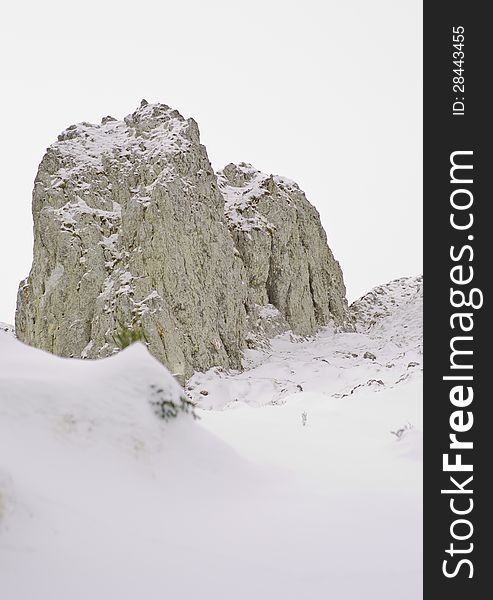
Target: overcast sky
x,y
325,92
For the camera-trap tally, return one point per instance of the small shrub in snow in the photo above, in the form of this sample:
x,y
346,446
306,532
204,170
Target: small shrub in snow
x,y
304,417
166,408
125,336
402,430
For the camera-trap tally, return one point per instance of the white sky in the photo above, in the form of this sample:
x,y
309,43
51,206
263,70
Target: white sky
x,y
325,92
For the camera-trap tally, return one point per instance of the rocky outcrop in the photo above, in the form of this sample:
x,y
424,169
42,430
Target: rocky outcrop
x,y
394,312
134,230
283,247
400,301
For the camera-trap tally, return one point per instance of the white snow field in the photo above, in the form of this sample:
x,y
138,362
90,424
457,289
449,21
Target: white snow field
x,y
290,486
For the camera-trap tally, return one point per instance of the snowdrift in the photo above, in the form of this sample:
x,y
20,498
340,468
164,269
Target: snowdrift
x,y
301,493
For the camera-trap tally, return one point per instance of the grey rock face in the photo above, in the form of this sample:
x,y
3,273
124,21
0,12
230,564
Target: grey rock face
x,y
284,248
131,230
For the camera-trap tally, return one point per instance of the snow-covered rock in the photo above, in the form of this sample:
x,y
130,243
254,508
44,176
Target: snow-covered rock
x,y
399,303
130,231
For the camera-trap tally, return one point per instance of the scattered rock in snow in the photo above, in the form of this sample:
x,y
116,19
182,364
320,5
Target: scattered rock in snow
x,y
389,300
8,329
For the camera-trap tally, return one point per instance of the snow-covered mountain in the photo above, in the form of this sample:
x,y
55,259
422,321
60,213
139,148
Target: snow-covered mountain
x,y
301,479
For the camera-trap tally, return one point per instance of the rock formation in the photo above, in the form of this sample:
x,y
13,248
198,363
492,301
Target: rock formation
x,y
393,311
133,229
283,247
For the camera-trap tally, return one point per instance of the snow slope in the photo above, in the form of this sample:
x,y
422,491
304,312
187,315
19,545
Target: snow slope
x,y
385,350
279,493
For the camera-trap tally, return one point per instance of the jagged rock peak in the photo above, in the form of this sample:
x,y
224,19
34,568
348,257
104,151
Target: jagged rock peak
x,y
246,176
284,248
152,129
242,186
